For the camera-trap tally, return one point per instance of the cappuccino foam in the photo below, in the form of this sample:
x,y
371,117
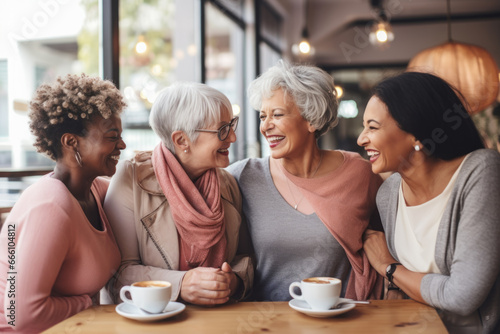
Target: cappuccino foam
x,y
318,280
150,284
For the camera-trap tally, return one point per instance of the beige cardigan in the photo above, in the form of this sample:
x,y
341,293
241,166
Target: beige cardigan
x,y
140,216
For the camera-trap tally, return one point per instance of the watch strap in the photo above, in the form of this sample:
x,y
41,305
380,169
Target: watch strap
x,y
393,286
390,271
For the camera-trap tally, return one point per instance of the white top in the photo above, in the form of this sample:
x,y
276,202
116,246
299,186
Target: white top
x,y
416,230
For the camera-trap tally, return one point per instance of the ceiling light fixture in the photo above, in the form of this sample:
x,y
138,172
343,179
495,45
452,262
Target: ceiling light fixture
x,y
381,32
304,48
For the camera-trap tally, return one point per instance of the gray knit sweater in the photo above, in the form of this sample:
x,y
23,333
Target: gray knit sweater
x,y
467,293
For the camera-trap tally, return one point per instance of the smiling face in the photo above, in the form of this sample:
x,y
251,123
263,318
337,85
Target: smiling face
x,y
100,147
386,144
208,151
286,131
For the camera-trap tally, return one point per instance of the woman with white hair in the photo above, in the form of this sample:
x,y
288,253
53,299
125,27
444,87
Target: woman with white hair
x,y
174,211
306,208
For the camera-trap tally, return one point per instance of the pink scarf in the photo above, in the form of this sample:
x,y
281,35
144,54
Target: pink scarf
x,y
197,211
344,201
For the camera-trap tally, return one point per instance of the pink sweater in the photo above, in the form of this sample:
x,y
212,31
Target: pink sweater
x,y
59,261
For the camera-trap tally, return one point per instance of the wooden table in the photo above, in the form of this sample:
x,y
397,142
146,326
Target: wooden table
x,y
381,316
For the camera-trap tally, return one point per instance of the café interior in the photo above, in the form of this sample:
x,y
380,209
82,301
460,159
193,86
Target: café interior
x,y
143,46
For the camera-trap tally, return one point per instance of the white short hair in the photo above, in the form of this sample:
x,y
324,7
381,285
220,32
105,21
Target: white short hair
x,y
186,106
311,89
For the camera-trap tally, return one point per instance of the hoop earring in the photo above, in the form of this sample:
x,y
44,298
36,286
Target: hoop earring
x,y
78,158
417,148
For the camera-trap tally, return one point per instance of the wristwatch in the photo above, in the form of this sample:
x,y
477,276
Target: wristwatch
x,y
390,271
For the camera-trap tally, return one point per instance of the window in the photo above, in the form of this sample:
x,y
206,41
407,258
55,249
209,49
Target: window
x,y
4,112
44,40
235,7
271,25
146,56
269,39
161,41
224,62
157,48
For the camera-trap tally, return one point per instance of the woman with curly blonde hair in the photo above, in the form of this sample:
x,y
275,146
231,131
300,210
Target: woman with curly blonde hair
x,y
58,239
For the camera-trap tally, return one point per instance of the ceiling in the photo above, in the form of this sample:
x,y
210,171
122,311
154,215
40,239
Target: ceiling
x,y
338,29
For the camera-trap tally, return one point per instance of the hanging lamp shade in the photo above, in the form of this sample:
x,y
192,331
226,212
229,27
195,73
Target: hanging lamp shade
x,y
469,68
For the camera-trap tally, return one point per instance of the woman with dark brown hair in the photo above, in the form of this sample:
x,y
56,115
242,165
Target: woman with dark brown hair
x,y
57,249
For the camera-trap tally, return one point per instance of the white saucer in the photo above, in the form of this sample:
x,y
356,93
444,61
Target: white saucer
x,y
302,306
132,312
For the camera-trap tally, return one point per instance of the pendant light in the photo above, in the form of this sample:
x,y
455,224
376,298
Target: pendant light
x,y
381,31
304,48
469,68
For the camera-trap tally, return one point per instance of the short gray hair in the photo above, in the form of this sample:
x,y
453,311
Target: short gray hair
x,y
186,106
311,89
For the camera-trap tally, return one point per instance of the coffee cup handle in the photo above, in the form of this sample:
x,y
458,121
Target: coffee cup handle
x,y
293,294
123,290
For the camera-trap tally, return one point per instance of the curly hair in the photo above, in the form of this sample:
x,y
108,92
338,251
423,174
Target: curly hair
x,y
68,106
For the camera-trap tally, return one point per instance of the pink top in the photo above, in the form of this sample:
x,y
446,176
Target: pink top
x,y
344,200
59,261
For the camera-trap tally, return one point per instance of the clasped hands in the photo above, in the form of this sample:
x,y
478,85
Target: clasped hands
x,y
209,286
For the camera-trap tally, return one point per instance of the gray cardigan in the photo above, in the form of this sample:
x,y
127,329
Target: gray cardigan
x,y
467,293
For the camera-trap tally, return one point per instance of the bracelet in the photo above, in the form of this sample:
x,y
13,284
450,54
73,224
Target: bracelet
x,y
392,287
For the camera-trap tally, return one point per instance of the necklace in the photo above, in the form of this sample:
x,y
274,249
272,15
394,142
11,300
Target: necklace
x,y
288,181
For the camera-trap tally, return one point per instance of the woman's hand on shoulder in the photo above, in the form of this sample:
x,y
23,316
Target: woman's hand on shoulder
x,y
208,286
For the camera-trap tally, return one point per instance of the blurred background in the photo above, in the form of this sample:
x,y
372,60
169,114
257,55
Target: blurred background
x,y
145,45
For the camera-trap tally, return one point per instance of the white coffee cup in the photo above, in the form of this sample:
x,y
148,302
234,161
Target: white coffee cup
x,y
321,293
150,296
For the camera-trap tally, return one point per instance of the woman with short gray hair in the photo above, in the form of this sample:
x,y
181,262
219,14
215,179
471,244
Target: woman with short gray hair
x,y
310,88
174,211
306,208
187,107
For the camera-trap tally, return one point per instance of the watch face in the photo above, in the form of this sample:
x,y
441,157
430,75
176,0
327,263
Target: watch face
x,y
388,269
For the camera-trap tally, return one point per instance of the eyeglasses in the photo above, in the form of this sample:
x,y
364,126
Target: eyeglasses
x,y
223,131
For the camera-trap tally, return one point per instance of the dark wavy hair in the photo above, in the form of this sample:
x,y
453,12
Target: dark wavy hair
x,y
68,106
433,111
